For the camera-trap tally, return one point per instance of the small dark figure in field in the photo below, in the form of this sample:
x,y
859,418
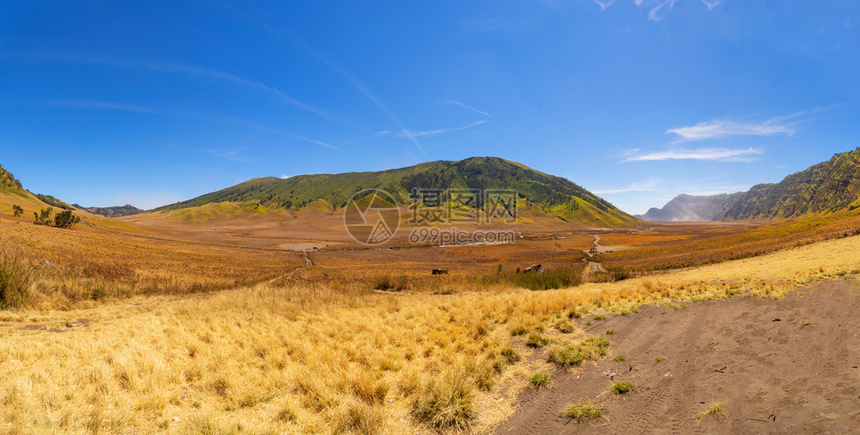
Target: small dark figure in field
x,y
440,271
535,268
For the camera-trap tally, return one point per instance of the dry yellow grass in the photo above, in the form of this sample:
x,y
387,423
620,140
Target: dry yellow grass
x,y
325,357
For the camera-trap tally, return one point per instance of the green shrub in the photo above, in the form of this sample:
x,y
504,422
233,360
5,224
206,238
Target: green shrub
x,y
66,219
44,216
17,210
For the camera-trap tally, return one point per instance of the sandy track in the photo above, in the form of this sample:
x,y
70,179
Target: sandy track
x,y
774,376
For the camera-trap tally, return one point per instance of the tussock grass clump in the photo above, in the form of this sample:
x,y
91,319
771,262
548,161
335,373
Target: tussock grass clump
x,y
622,387
569,355
583,409
715,409
564,327
539,379
447,402
552,279
536,340
510,356
16,279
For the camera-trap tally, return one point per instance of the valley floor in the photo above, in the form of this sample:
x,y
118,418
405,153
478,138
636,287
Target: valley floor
x,y
332,356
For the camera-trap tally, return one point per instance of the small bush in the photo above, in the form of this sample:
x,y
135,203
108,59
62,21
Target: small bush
x,y
16,277
599,317
66,219
620,358
584,409
446,402
539,379
659,359
17,210
44,216
622,387
610,331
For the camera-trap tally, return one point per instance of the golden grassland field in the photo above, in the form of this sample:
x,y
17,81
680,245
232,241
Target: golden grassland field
x,y
314,352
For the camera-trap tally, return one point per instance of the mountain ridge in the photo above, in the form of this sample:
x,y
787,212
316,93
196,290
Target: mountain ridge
x,y
554,195
825,187
822,188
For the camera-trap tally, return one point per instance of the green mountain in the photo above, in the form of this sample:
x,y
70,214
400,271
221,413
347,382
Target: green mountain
x,y
553,195
823,188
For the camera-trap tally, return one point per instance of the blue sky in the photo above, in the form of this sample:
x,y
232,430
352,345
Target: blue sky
x,y
109,102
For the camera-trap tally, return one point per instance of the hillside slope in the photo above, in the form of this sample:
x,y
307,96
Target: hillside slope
x,y
554,195
823,188
13,194
690,208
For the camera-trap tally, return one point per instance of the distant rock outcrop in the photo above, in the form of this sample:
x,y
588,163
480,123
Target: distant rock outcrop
x,y
112,212
689,208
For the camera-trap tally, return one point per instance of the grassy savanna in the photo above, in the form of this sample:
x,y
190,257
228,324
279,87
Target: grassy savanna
x,y
102,258
327,356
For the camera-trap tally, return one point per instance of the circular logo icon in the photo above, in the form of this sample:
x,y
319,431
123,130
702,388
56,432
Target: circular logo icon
x,y
371,217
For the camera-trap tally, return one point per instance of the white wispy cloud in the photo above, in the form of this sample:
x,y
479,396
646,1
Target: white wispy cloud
x,y
657,9
652,184
721,128
605,4
720,154
712,4
655,14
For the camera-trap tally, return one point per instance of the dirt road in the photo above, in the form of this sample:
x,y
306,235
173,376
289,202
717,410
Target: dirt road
x,y
776,366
